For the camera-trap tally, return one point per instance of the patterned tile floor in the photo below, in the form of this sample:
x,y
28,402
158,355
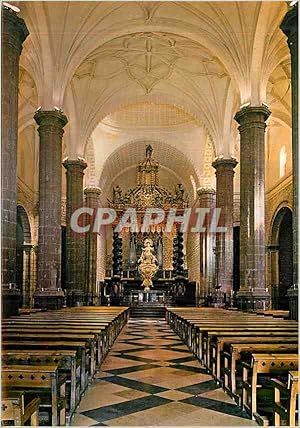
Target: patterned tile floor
x,y
151,378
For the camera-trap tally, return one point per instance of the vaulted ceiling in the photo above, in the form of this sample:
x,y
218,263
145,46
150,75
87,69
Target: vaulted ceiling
x,y
138,67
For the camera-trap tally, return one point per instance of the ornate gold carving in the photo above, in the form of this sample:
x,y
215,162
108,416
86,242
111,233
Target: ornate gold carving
x,y
148,264
148,193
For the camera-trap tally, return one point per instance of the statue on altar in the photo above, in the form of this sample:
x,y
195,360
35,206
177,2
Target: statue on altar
x,y
148,264
149,151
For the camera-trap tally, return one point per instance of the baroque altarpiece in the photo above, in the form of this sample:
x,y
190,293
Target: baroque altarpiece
x,y
127,246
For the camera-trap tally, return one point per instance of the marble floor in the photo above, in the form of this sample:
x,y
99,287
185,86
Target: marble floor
x,y
150,378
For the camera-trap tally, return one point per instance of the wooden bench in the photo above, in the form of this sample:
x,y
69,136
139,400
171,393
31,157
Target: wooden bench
x,y
83,333
50,346
212,355
234,351
256,322
36,338
98,328
263,364
285,400
14,409
68,363
39,379
210,332
107,328
40,339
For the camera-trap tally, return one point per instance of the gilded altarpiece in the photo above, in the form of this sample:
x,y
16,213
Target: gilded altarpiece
x,y
147,194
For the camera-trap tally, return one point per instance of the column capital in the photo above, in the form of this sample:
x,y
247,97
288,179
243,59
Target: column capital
x,y
252,116
14,27
92,190
289,25
227,164
78,164
53,118
205,191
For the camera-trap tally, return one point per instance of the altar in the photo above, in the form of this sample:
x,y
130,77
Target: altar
x,y
151,297
146,266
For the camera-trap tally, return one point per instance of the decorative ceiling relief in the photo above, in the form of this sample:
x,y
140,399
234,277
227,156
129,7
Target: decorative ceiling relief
x,y
149,8
149,58
279,92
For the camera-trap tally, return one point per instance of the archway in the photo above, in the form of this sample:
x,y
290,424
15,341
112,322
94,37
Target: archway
x,y
282,269
23,256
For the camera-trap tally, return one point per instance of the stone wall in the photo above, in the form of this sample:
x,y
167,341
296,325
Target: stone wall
x,y
277,197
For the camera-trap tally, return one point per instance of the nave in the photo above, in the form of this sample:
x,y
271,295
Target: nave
x,y
151,378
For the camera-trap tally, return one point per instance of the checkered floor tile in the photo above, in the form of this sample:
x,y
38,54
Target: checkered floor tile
x,y
151,378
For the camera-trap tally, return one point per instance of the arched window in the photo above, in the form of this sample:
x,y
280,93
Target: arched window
x,y
282,162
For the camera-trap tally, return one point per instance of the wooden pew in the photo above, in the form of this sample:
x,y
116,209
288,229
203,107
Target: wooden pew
x,y
234,351
51,346
212,355
285,400
68,362
108,327
63,338
59,332
13,409
98,328
256,322
188,323
39,378
89,332
263,364
208,330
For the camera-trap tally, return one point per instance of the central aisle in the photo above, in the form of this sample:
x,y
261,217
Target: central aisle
x,y
150,378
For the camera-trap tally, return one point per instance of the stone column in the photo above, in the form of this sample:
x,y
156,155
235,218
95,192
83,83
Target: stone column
x,y
75,265
272,282
33,275
49,293
92,196
289,26
27,250
14,33
252,293
207,199
224,240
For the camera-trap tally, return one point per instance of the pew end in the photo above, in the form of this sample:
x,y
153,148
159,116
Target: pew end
x,y
14,409
285,410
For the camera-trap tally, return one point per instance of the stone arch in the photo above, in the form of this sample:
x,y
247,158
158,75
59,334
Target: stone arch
x,y
128,155
23,256
276,221
281,256
23,222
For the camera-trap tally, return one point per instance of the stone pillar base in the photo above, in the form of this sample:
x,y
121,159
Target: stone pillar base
x,y
253,300
292,294
10,301
48,299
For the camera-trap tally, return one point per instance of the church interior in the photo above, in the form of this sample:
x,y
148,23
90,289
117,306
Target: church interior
x,y
149,217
